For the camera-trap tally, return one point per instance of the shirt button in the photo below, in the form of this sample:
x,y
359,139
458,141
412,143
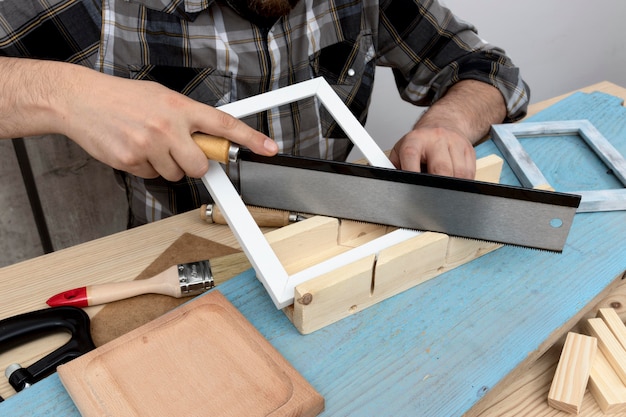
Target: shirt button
x,y
351,72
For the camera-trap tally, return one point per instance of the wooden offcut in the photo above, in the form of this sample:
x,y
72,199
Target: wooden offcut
x,y
614,323
609,345
201,359
572,373
606,387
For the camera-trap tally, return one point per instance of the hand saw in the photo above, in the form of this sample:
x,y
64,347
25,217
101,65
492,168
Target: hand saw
x,y
455,207
472,209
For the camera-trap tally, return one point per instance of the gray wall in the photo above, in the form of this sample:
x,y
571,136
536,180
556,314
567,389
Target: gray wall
x,y
560,45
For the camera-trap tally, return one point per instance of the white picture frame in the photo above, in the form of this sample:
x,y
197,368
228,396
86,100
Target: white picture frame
x,y
505,136
269,270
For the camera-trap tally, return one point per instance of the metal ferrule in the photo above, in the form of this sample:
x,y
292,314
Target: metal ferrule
x,y
233,153
208,213
195,277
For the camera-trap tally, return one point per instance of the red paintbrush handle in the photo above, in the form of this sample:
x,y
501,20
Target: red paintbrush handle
x,y
76,297
165,283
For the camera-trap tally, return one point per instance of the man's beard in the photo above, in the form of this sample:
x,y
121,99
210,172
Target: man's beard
x,y
265,9
271,8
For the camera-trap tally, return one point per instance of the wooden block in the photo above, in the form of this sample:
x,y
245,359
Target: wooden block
x,y
305,243
606,387
545,187
332,296
203,358
408,264
360,284
614,323
489,168
609,345
461,251
353,233
572,373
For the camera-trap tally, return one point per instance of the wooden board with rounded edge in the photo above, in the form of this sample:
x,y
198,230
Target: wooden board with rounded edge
x,y
203,358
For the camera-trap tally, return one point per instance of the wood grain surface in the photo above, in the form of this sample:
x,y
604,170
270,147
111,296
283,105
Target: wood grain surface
x,y
202,359
431,351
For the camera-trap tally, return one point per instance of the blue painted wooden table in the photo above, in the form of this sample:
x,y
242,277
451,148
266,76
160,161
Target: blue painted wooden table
x,y
436,349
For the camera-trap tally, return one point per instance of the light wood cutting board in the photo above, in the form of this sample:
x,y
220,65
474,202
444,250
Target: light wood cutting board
x,y
201,359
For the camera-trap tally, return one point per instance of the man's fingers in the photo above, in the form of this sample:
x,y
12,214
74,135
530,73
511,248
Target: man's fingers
x,y
223,124
143,171
470,165
443,152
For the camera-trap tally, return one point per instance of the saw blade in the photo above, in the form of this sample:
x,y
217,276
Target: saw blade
x,y
472,209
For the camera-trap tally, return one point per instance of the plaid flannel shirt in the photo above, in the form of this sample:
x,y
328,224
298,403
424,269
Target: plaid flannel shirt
x,y
207,51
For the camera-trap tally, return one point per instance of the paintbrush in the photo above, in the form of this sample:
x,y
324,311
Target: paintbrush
x,y
182,280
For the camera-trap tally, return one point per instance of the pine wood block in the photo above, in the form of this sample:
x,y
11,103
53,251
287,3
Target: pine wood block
x,y
606,387
411,263
461,250
305,243
572,373
354,233
615,324
332,296
365,282
488,168
203,358
609,345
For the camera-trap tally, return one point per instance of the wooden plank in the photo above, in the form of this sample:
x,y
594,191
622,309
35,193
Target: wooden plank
x,y
572,373
354,233
609,345
614,323
603,86
409,264
332,296
526,390
227,358
305,243
606,387
606,112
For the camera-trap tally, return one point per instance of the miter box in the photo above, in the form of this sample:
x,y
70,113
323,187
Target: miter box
x,y
355,280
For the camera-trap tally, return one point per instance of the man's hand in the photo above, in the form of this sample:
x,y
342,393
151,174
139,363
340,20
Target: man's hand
x,y
442,140
139,127
443,151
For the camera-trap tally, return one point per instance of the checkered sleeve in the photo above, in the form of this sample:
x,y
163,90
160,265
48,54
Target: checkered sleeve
x,y
430,49
60,30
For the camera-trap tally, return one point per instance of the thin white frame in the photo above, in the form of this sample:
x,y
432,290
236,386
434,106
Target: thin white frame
x,y
505,136
279,285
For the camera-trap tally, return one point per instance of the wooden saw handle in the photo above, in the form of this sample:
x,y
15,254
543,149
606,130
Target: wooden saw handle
x,y
264,217
216,148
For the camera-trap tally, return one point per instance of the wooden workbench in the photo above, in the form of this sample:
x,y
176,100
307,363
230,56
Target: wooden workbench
x,y
463,342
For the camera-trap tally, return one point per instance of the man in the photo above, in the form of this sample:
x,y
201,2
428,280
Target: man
x,y
216,51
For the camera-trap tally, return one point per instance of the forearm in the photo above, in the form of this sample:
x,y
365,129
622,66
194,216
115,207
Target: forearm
x,y
30,95
443,138
469,107
136,126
